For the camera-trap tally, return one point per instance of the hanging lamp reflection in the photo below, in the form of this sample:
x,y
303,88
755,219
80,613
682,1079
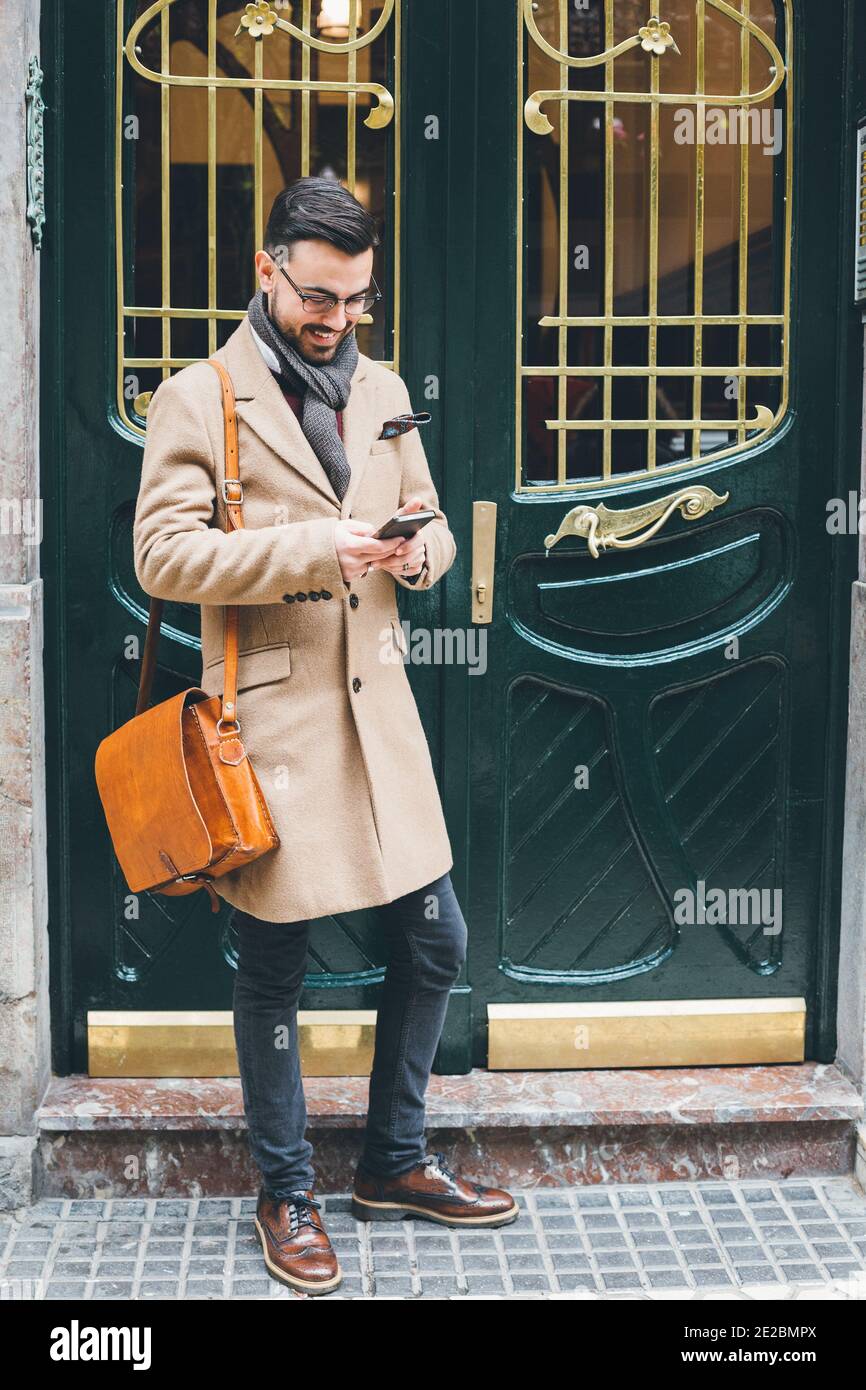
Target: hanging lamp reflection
x,y
332,21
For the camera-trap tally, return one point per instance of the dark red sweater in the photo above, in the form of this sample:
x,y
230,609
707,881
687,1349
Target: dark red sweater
x,y
297,404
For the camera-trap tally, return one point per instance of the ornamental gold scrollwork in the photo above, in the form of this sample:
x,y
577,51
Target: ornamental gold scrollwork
x,y
258,20
603,528
655,38
262,20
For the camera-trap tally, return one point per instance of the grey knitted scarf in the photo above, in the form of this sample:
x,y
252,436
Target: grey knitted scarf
x,y
325,390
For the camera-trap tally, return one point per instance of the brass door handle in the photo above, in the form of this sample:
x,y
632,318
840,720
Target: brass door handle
x,y
483,560
604,528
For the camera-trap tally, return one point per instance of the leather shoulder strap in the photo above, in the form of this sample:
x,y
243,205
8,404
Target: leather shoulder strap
x,y
233,495
148,658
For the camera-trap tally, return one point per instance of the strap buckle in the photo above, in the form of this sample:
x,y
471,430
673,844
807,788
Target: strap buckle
x,y
233,482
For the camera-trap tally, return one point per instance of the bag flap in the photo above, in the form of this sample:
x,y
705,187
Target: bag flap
x,y
156,827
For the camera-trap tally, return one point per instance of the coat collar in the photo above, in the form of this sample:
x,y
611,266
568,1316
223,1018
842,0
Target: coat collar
x,y
261,404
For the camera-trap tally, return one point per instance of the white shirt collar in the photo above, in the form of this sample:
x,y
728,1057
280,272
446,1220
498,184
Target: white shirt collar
x,y
267,351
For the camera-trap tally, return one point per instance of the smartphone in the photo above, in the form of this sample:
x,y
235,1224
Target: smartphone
x,y
406,525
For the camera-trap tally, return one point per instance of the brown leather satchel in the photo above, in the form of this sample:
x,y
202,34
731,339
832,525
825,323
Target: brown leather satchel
x,y
180,796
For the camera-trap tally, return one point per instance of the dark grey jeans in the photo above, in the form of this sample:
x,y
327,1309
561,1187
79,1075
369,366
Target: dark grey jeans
x,y
425,955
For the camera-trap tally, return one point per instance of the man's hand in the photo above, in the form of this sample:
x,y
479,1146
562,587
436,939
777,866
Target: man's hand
x,y
356,549
408,558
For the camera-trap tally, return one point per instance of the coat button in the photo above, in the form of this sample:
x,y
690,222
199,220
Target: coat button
x,y
354,600
314,595
302,598
326,594
288,598
356,684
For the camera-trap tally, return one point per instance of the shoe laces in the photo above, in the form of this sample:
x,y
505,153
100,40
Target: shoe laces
x,y
299,1205
435,1166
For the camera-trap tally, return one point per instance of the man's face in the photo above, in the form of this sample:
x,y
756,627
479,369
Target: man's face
x,y
316,267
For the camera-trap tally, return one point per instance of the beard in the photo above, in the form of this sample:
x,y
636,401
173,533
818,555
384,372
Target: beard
x,y
305,342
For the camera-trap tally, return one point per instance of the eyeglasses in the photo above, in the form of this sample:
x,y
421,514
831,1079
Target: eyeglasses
x,y
323,303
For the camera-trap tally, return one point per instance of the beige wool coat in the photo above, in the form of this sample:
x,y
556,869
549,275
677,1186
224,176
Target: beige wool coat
x,y
326,711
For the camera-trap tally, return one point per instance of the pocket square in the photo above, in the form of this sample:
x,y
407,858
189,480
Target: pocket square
x,y
399,424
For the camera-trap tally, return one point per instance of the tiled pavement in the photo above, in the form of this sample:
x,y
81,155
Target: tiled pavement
x,y
672,1240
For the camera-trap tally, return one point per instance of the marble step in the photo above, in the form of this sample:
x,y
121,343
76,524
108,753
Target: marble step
x,y
182,1137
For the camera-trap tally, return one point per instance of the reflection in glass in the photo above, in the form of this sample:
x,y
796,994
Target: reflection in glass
x,y
628,215
197,183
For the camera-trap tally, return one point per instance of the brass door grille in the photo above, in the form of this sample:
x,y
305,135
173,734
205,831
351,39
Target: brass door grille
x,y
241,49
648,32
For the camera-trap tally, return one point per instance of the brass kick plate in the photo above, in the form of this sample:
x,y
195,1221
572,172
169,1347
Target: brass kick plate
x,y
657,1033
332,1042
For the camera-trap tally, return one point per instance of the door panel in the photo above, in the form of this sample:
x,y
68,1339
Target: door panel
x,y
655,721
563,871
177,128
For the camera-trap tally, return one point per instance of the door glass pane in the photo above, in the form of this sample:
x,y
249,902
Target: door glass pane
x,y
219,106
653,294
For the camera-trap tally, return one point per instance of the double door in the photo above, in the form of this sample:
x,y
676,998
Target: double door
x,y
612,278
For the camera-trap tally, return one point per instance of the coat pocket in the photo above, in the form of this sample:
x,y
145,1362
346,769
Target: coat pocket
x,y
256,667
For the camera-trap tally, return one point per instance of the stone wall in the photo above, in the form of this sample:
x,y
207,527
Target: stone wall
x,y
852,950
25,1060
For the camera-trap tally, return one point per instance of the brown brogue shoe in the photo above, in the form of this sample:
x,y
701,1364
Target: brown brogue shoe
x,y
433,1191
295,1243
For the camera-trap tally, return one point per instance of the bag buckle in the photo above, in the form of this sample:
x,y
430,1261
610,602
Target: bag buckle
x,y
233,482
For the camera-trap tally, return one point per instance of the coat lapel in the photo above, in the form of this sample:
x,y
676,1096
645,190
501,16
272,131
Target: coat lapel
x,y
261,404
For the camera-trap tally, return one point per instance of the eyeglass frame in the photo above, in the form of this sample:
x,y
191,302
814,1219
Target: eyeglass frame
x,y
304,295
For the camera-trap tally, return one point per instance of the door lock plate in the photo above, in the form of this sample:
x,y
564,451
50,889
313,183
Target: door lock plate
x,y
483,560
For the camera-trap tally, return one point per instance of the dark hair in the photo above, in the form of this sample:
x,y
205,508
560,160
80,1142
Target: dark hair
x,y
314,208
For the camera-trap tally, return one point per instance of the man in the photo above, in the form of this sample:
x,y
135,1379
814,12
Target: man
x,y
330,723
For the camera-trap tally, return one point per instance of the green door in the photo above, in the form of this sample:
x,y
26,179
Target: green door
x,y
648,720
171,127
658,739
